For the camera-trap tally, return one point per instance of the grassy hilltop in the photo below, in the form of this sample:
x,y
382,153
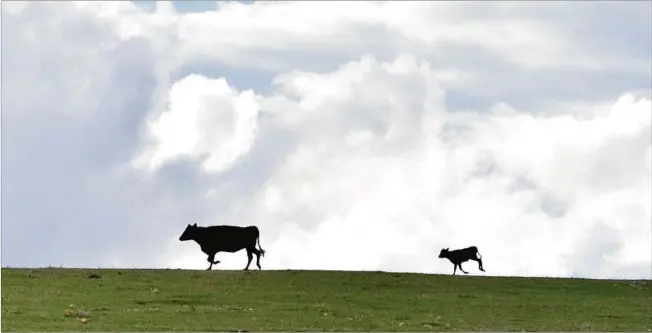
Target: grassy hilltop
x,y
178,300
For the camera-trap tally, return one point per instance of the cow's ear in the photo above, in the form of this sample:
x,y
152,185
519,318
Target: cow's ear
x,y
194,225
447,248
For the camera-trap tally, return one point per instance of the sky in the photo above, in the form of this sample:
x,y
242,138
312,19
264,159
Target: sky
x,y
355,135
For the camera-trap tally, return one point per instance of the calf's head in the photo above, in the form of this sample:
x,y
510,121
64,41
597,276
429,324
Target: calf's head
x,y
189,233
443,253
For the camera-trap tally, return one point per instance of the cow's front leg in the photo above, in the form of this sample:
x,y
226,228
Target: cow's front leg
x,y
211,260
454,269
250,257
461,269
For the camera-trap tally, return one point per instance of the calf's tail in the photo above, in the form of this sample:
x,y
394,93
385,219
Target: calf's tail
x,y
478,252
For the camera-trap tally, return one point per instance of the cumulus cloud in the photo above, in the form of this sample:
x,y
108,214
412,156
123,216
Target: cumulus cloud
x,y
358,136
205,117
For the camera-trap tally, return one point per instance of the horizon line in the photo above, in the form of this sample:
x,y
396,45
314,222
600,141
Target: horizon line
x,y
328,271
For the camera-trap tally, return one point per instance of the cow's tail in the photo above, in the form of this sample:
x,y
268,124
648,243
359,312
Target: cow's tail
x,y
478,252
260,248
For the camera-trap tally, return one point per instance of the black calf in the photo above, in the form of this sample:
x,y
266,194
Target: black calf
x,y
457,257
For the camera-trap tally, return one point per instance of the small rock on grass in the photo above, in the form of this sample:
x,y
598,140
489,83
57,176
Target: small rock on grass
x,y
72,313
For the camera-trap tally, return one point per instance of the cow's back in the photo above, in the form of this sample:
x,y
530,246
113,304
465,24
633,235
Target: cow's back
x,y
228,238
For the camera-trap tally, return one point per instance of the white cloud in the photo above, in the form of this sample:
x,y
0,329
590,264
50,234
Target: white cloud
x,y
385,132
205,117
236,31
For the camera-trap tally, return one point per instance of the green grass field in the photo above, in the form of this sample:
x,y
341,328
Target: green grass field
x,y
179,300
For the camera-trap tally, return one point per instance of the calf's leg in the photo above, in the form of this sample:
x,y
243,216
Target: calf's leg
x,y
461,269
479,263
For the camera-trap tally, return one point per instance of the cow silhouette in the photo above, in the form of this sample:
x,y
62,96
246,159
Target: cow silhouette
x,y
225,238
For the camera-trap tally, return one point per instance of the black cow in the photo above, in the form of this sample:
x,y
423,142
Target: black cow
x,y
457,257
225,238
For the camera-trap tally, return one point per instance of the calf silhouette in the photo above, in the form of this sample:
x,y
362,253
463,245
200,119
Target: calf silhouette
x,y
457,257
225,238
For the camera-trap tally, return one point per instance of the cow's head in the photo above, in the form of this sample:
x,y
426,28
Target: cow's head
x,y
443,253
189,233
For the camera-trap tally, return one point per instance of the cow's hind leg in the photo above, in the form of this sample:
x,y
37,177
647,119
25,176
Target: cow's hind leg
x,y
249,258
257,253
